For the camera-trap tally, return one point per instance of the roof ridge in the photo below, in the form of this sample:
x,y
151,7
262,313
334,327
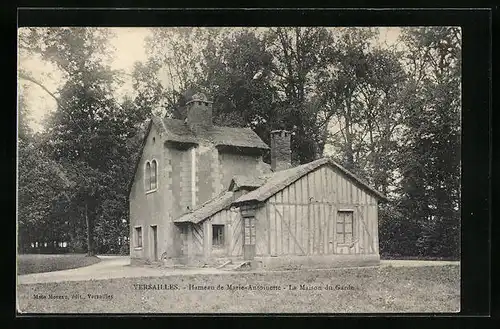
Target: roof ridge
x,y
178,131
218,126
281,179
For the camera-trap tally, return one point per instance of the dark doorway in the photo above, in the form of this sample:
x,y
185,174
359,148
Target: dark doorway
x,y
183,244
154,231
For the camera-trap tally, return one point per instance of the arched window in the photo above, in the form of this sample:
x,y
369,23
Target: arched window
x,y
154,174
147,178
151,176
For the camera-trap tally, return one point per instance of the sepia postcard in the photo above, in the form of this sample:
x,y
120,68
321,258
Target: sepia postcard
x,y
238,169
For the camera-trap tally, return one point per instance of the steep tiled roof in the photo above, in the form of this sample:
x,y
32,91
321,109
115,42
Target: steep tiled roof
x,y
266,186
284,178
178,131
207,209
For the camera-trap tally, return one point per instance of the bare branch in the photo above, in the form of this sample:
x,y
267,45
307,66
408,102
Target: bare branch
x,y
26,77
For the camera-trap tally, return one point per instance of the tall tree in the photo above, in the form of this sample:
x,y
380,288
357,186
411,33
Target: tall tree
x,y
257,77
88,132
24,130
430,157
298,56
41,184
237,75
174,66
364,88
342,86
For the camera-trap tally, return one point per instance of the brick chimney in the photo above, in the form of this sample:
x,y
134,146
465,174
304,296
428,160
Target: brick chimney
x,y
281,153
199,112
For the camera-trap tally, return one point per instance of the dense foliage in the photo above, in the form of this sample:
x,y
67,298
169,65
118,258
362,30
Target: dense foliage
x,y
389,114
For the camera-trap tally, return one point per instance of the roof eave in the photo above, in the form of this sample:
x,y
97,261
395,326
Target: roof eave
x,y
367,187
189,220
180,144
258,148
136,166
320,163
245,202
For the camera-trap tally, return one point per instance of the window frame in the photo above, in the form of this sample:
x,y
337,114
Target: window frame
x,y
149,175
344,225
137,230
249,233
222,229
154,176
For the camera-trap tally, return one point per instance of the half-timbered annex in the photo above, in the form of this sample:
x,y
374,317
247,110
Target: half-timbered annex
x,y
319,210
202,193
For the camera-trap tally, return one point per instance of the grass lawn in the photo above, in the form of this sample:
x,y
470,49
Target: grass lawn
x,y
383,289
32,263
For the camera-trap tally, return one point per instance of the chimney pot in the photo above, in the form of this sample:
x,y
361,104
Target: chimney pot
x,y
199,112
281,153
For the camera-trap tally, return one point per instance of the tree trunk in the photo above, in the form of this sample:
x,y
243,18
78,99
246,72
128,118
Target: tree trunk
x,y
349,146
349,152
90,251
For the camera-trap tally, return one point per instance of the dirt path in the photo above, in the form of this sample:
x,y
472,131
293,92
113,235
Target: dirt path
x,y
110,267
114,267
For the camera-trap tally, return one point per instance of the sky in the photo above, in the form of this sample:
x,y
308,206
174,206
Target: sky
x,y
129,43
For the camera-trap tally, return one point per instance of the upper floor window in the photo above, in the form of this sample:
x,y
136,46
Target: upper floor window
x,y
151,176
154,175
345,226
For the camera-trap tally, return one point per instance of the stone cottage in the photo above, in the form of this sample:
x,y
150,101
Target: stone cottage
x,y
202,193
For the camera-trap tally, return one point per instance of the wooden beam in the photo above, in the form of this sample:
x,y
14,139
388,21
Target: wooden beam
x,y
288,228
207,239
268,223
370,242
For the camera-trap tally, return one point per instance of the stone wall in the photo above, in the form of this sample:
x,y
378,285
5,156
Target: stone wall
x,y
232,164
204,178
174,194
149,208
175,186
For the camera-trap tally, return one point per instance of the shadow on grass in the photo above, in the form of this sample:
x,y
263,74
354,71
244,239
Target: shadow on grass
x,y
31,263
428,258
